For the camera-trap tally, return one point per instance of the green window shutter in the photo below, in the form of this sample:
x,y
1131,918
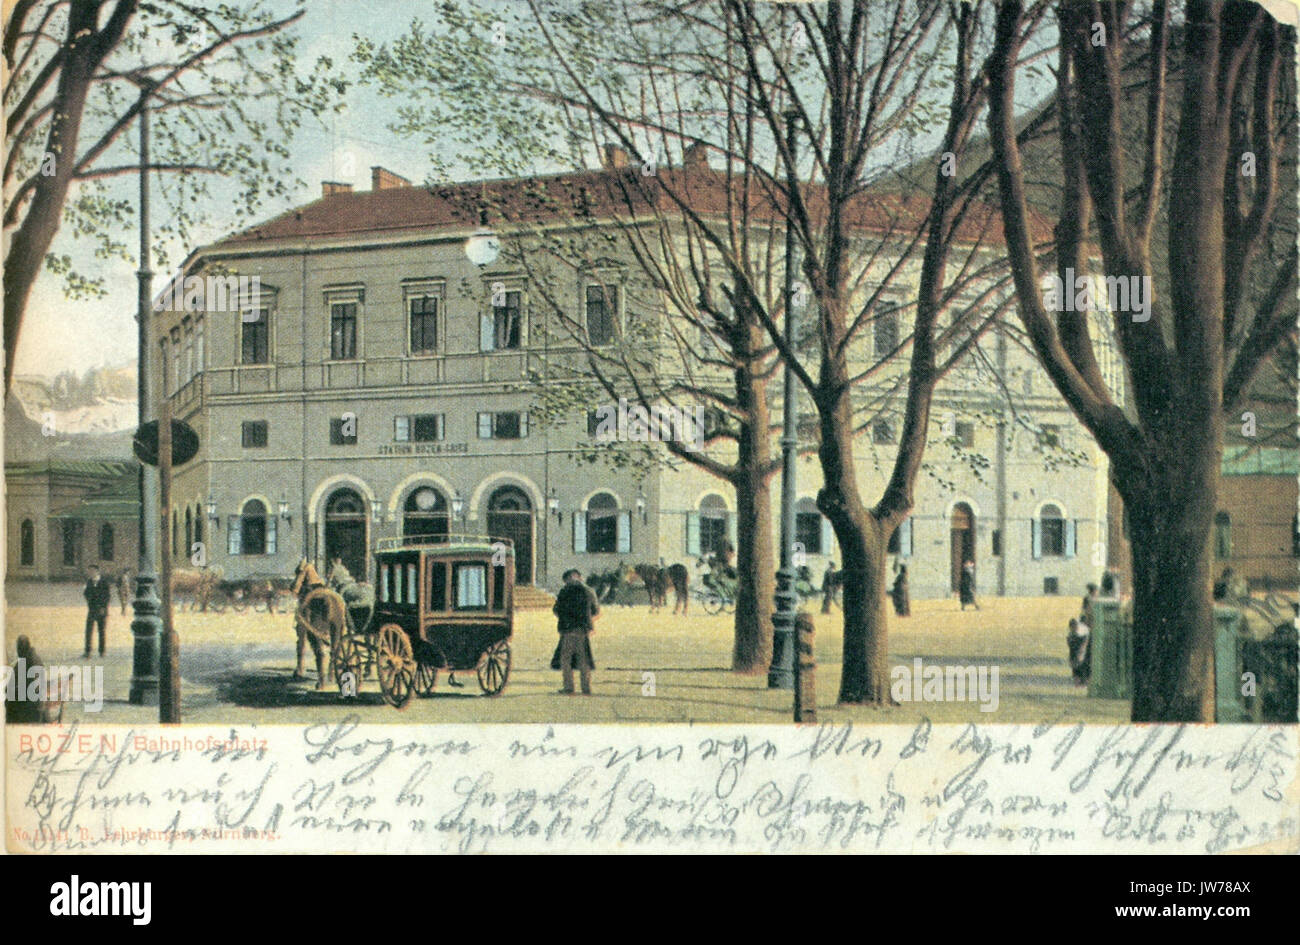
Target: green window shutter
x,y
270,534
624,532
485,426
828,537
485,333
580,532
401,429
1071,532
232,535
905,538
1036,538
693,533
523,423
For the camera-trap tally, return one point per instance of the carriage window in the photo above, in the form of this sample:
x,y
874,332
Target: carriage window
x,y
471,586
383,583
437,586
410,583
499,587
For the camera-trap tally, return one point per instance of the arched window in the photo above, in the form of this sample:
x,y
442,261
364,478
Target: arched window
x,y
425,516
1222,535
252,531
810,529
708,531
106,542
1051,525
602,527
27,544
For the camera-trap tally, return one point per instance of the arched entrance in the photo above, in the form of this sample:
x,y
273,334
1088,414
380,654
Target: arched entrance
x,y
510,515
424,516
963,540
345,532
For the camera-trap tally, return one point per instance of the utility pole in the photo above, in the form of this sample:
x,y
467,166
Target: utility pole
x,y
781,673
146,627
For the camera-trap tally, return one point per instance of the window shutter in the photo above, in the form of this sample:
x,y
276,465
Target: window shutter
x,y
523,423
441,425
693,533
232,535
485,333
905,538
731,528
401,429
485,426
1071,530
580,532
624,532
270,534
1036,538
828,536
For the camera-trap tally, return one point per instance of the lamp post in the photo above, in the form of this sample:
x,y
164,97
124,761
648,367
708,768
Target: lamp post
x,y
146,625
781,673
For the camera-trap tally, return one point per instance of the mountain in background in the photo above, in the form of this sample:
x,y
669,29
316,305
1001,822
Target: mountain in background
x,y
93,415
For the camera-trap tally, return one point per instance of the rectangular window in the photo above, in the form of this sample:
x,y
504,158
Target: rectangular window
x,y
499,587
343,431
437,587
72,532
886,334
713,534
507,319
255,327
343,331
1053,537
418,428
808,531
965,433
424,324
187,327
254,434
507,425
1051,586
602,313
470,581
198,345
997,542
177,380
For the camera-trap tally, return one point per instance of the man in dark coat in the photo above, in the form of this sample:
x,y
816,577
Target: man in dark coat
x,y
902,600
575,609
966,587
1079,643
96,592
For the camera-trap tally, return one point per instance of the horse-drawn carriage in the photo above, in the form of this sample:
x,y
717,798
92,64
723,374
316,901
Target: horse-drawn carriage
x,y
446,605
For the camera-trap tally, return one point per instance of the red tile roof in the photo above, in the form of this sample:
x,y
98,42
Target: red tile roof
x,y
590,196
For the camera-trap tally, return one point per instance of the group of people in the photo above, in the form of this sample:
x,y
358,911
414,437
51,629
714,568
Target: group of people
x,y
1078,639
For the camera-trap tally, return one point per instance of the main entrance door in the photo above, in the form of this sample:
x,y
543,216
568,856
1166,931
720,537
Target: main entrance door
x,y
963,540
510,515
345,532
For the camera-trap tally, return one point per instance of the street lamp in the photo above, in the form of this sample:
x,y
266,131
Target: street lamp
x,y
284,508
377,511
553,503
457,505
781,673
483,247
213,517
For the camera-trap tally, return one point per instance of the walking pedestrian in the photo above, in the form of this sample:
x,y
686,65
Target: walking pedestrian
x,y
575,609
966,586
97,593
1079,643
124,588
830,587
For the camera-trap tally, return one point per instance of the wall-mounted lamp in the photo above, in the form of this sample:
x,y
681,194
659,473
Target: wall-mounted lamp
x,y
640,503
212,512
284,508
377,511
553,504
457,505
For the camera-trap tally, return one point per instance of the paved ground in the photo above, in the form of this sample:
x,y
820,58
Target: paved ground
x,y
236,668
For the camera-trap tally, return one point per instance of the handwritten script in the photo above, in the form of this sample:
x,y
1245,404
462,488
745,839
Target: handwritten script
x,y
470,789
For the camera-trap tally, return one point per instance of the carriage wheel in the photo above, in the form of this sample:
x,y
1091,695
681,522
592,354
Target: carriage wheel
x,y
395,666
713,603
217,605
494,668
346,658
239,602
425,678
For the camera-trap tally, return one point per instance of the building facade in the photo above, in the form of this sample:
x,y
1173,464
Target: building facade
x,y
380,383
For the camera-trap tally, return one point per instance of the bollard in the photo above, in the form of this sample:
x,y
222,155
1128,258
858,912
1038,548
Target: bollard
x,y
805,669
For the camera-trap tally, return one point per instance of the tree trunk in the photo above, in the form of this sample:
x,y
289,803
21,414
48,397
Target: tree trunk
x,y
755,574
1173,610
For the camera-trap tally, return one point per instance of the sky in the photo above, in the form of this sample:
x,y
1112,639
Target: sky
x,y
343,148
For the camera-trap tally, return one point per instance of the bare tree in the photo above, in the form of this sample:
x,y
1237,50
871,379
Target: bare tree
x,y
1193,354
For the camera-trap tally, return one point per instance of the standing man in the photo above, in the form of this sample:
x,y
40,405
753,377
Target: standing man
x,y
967,586
830,585
902,599
124,588
96,592
576,608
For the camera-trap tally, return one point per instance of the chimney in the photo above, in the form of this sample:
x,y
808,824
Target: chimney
x,y
384,179
328,188
694,156
613,157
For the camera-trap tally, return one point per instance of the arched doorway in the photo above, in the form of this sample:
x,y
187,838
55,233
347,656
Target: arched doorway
x,y
424,516
345,532
510,515
963,540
